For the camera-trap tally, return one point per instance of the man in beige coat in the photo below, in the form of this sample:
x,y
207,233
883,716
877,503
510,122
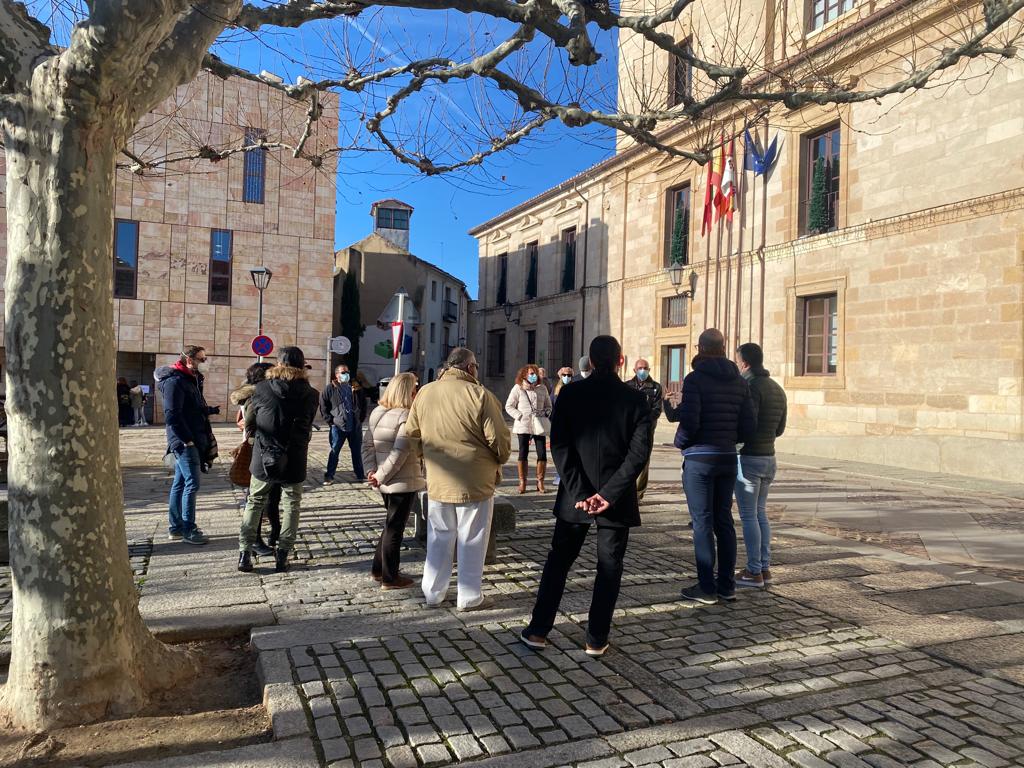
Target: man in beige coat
x,y
457,426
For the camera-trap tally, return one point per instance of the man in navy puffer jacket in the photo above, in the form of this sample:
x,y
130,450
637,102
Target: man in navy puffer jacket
x,y
717,412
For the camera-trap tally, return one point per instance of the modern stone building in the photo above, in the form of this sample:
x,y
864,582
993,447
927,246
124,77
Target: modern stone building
x,y
187,234
887,292
383,264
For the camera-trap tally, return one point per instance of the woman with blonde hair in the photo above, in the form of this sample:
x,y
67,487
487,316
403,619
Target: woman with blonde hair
x,y
395,471
565,375
529,405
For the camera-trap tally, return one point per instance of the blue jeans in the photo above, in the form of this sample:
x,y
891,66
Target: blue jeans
x,y
708,488
355,445
753,479
181,508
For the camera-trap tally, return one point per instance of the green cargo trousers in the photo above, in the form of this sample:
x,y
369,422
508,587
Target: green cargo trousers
x,y
259,495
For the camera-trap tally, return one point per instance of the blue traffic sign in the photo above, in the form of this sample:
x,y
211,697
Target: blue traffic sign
x,y
262,346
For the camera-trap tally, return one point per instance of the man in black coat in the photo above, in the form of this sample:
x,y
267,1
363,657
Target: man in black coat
x,y
652,390
600,440
716,414
280,416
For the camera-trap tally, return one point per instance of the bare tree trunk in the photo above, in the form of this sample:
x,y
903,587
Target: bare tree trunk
x,y
80,649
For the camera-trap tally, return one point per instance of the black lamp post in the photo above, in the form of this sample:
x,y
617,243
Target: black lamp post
x,y
675,274
261,279
512,315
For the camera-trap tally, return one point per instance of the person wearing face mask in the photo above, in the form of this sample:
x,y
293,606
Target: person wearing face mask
x,y
585,369
565,376
529,405
340,409
651,390
189,439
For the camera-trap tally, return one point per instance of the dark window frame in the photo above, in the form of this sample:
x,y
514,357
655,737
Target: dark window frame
x,y
133,268
673,196
530,290
680,78
811,146
821,12
496,352
254,168
501,292
561,336
569,241
673,312
220,299
531,345
393,218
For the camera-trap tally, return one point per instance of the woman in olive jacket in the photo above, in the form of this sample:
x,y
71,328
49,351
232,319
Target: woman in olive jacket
x,y
394,470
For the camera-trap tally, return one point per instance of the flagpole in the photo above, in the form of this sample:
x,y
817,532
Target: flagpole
x,y
739,247
764,228
727,299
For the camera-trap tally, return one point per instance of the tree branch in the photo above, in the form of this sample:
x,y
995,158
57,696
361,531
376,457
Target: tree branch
x,y
24,40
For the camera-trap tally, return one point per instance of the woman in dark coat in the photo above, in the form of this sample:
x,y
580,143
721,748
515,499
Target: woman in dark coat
x,y
124,403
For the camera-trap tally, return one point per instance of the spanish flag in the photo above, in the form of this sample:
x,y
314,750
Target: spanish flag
x,y
713,189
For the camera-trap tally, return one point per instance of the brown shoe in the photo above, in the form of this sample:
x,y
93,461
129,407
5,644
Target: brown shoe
x,y
541,467
522,476
766,576
402,582
376,576
747,579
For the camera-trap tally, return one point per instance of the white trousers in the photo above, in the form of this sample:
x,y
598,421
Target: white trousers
x,y
468,525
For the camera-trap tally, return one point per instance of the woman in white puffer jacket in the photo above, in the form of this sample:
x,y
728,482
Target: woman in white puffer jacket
x,y
528,404
394,469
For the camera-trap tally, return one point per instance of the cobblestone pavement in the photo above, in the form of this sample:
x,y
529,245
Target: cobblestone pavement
x,y
859,655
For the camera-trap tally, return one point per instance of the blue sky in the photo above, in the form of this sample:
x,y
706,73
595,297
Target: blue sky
x,y
445,206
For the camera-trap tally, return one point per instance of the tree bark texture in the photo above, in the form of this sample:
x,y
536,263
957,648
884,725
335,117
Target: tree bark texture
x,y
80,650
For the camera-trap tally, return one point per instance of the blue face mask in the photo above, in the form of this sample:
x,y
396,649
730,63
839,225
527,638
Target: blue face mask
x,y
566,379
532,378
642,374
345,378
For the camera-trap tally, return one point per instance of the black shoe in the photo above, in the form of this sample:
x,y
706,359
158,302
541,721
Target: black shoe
x,y
281,561
245,561
696,596
729,597
262,549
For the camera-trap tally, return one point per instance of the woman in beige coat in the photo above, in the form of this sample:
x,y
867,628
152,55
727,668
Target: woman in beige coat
x,y
529,399
394,470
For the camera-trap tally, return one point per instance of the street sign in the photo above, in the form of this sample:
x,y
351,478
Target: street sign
x,y
262,346
397,337
340,345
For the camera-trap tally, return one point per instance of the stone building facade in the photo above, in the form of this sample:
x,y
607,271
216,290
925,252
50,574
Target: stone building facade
x,y
187,234
896,327
383,264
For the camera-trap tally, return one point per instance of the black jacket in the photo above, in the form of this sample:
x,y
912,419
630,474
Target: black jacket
x,y
717,411
653,392
770,404
338,406
600,440
280,416
185,412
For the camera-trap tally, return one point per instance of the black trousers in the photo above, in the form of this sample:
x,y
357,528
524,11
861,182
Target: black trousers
x,y
540,441
389,547
566,543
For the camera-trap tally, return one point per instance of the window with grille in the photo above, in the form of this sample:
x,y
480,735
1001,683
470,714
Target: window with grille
x,y
560,345
818,340
569,260
531,347
680,79
820,181
677,225
820,12
532,266
126,258
673,311
255,167
501,296
495,354
220,266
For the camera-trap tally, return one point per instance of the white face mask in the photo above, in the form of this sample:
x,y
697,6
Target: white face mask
x,y
585,374
203,367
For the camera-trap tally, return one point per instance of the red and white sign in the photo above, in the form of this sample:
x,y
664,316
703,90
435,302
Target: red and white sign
x,y
262,346
397,333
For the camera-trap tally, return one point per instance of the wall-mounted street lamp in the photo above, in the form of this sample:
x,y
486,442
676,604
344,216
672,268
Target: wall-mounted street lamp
x,y
675,274
512,314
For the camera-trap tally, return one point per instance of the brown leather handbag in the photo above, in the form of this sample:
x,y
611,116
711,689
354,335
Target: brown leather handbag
x,y
239,472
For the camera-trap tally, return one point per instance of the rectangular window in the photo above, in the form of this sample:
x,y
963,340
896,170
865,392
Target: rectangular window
x,y
680,79
819,335
677,225
531,346
560,345
569,260
673,367
433,290
126,258
501,296
821,12
673,312
532,265
495,354
433,332
392,218
255,169
819,181
220,266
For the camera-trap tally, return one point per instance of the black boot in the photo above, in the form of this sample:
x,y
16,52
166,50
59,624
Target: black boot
x,y
275,527
245,561
281,561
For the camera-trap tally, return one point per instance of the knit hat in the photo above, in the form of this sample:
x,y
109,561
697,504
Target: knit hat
x,y
292,357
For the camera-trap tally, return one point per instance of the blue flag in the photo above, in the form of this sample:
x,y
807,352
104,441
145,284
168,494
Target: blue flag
x,y
755,160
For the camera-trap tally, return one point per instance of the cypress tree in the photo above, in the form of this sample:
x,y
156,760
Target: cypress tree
x,y
351,325
677,253
817,213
